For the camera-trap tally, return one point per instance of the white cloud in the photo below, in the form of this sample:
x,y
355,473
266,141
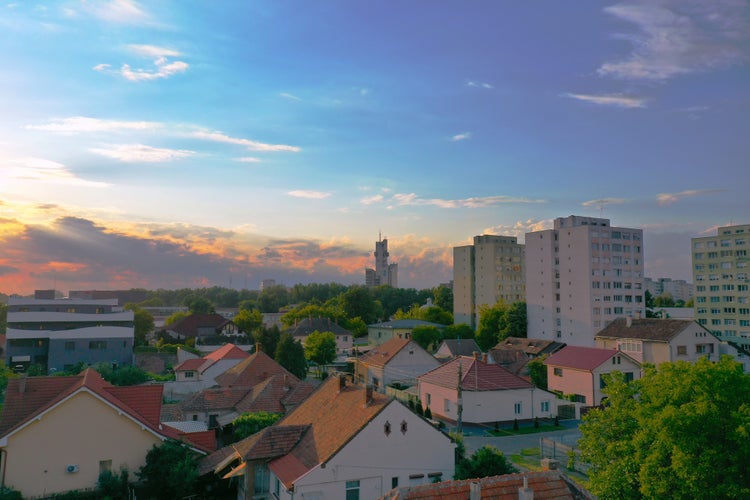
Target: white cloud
x,y
142,153
251,145
164,69
482,85
102,67
669,198
117,11
461,137
604,201
153,51
291,97
39,169
520,228
76,124
249,159
617,100
313,195
676,37
404,199
369,200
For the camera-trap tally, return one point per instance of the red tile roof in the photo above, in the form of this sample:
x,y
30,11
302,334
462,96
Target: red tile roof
x,y
581,358
227,351
475,376
548,485
192,364
251,371
657,330
381,355
190,325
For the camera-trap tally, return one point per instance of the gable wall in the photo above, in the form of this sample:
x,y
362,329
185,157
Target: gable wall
x,y
410,362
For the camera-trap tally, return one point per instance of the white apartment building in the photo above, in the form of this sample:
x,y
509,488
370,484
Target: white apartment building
x,y
720,276
490,270
580,276
678,289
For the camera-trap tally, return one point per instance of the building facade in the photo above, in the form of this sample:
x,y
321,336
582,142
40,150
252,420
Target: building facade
x,y
488,271
720,276
581,275
384,273
59,333
678,289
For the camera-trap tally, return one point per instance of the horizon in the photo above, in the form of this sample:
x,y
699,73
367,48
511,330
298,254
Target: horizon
x,y
178,145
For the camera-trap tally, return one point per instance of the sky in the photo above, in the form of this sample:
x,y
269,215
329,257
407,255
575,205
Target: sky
x,y
185,143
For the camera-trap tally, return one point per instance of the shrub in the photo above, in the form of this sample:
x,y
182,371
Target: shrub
x,y
515,424
427,413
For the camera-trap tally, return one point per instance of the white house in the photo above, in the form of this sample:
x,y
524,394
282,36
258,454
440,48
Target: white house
x,y
193,373
398,360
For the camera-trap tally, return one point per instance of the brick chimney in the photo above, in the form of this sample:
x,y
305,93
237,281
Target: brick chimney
x,y
368,394
342,382
476,354
484,358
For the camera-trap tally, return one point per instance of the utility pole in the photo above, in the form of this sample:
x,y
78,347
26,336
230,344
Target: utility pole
x,y
460,400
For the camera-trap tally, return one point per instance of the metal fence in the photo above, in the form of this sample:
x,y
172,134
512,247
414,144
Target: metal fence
x,y
569,457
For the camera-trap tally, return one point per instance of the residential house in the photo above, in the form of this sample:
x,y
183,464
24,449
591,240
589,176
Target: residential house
x,y
487,392
59,433
659,340
195,373
580,371
252,370
344,441
304,327
450,348
543,485
380,333
197,326
514,353
398,360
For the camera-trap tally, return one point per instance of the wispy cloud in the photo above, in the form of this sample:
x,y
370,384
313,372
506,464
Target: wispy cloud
x,y
669,198
676,37
249,159
291,97
153,51
249,144
461,137
520,228
617,100
163,67
141,153
39,169
369,200
604,201
77,124
488,201
117,11
481,85
313,195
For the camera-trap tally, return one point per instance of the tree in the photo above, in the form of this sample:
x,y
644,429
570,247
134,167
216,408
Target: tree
x,y
428,337
170,471
486,461
515,321
356,326
273,298
267,339
678,429
358,302
248,321
538,372
291,355
320,348
198,305
248,424
459,331
3,317
443,297
175,317
648,298
121,375
664,300
143,322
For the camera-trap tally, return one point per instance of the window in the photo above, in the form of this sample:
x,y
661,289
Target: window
x,y
447,405
189,374
352,490
517,408
557,372
682,350
544,406
70,345
394,482
105,466
98,344
428,397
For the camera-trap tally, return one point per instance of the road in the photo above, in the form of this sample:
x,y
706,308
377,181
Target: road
x,y
514,444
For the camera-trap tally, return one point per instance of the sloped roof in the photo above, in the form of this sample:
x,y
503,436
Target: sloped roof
x,y
192,364
547,485
581,358
189,325
227,351
475,376
512,359
533,347
657,330
251,371
405,323
28,397
381,355
461,347
308,325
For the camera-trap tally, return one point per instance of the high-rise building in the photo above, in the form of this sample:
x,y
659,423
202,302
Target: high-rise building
x,y
720,278
490,270
580,276
384,273
678,289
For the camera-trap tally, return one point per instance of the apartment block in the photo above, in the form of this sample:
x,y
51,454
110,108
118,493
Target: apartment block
x,y
490,270
678,289
59,333
580,276
720,277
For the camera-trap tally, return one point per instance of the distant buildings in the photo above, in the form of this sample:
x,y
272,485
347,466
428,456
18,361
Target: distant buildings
x,y
580,276
678,289
57,334
490,270
384,273
720,275
267,283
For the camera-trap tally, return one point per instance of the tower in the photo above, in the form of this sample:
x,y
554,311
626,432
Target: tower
x,y
384,273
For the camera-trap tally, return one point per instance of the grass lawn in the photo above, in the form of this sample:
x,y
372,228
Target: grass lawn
x,y
526,430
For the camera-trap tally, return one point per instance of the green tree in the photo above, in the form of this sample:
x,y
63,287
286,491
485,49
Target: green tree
x,y
5,374
121,375
320,348
428,337
291,355
248,424
458,331
356,326
491,321
114,486
143,322
273,298
538,372
515,321
486,461
443,297
664,300
648,298
170,472
175,317
3,317
267,339
248,321
678,429
358,302
197,304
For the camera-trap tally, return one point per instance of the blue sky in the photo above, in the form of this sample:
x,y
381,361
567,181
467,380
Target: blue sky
x,y
187,143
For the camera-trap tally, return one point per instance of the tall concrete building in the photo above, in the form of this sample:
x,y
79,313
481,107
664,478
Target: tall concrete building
x,y
490,270
384,273
720,278
678,289
580,276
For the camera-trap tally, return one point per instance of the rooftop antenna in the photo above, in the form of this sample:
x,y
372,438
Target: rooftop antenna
x,y
380,235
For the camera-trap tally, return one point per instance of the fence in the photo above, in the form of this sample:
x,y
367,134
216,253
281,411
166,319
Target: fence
x,y
568,456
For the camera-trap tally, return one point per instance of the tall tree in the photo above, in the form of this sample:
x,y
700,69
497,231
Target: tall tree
x,y
291,355
170,471
428,337
458,331
143,322
268,339
320,348
515,321
491,322
273,298
248,321
671,434
3,317
358,302
443,297
538,372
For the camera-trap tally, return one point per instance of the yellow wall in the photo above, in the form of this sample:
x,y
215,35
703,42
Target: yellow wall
x,y
81,431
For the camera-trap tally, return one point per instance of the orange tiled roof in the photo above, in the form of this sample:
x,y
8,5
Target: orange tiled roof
x,y
251,371
384,353
192,364
581,358
475,376
227,351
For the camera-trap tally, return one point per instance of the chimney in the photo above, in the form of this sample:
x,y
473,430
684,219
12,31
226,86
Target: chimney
x,y
368,394
475,490
484,358
22,384
525,493
628,321
476,355
342,382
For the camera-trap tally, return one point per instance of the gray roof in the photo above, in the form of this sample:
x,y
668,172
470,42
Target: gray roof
x,y
405,323
461,347
657,330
